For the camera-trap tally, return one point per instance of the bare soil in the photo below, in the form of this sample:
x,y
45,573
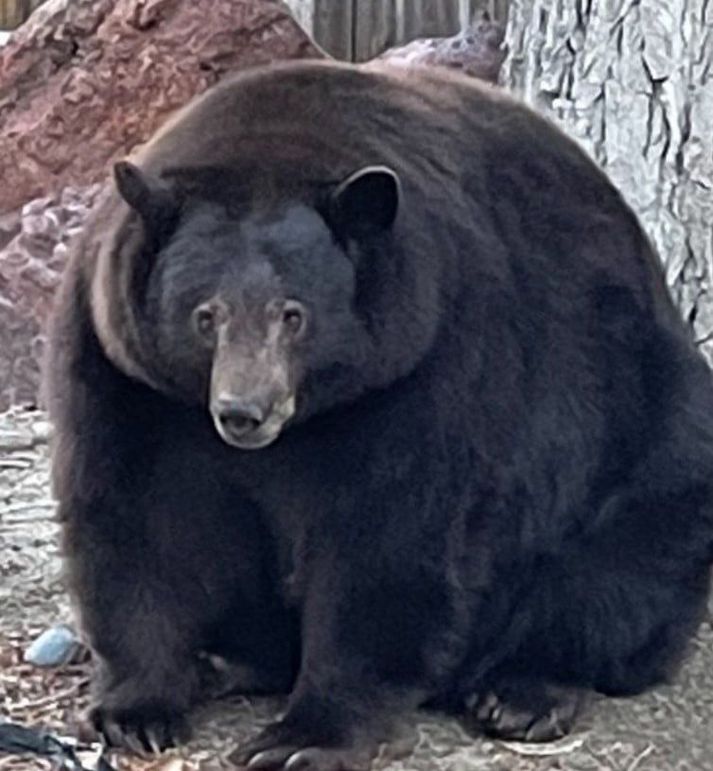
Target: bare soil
x,y
670,728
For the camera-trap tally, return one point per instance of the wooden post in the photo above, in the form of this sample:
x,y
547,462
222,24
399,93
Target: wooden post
x,y
358,30
333,27
15,12
384,23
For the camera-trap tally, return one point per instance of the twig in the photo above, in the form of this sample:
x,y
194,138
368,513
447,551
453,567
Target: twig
x,y
12,762
15,507
22,443
14,463
640,757
26,456
561,747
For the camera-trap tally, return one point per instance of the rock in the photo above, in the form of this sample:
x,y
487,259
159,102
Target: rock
x,y
30,269
42,431
477,51
102,75
55,646
81,84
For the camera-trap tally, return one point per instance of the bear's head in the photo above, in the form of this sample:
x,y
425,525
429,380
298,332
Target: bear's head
x,y
261,311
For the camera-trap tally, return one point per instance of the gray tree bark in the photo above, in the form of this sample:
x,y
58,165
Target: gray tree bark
x,y
632,80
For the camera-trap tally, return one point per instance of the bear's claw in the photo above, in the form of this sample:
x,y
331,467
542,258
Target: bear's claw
x,y
523,710
142,729
275,750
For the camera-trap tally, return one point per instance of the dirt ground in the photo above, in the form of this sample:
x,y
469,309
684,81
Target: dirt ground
x,y
669,728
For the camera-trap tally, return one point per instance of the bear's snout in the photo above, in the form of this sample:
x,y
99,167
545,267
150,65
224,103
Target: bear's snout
x,y
250,424
239,417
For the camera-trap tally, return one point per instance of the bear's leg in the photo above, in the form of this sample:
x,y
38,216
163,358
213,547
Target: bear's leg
x,y
139,624
379,629
612,613
154,599
144,600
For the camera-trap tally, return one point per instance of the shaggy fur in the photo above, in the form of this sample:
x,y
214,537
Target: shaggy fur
x,y
494,492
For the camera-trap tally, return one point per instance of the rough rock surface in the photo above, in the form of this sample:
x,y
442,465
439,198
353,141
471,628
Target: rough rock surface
x,y
85,81
81,84
476,51
31,264
633,82
667,729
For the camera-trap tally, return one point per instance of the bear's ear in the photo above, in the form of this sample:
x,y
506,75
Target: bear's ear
x,y
152,199
365,203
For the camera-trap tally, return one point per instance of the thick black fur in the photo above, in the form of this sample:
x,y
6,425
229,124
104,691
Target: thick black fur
x,y
498,478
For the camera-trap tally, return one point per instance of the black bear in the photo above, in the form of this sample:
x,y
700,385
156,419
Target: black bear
x,y
368,381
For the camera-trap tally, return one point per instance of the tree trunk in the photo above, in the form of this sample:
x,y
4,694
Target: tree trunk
x,y
632,81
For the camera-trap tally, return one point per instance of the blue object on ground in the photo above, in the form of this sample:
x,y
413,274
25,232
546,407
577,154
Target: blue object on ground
x,y
53,647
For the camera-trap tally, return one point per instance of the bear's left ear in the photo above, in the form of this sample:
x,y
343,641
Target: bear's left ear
x,y
365,203
156,203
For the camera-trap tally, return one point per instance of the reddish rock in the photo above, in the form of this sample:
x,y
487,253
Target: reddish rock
x,y
477,51
84,81
31,264
81,84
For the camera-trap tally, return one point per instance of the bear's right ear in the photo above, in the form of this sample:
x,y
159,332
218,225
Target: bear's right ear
x,y
151,199
365,203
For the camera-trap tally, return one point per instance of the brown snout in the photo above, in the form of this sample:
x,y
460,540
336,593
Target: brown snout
x,y
239,417
251,391
251,423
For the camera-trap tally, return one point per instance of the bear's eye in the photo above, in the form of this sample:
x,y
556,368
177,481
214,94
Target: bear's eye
x,y
204,321
294,317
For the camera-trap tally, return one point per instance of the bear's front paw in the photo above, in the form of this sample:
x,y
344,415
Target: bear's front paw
x,y
144,727
525,710
281,747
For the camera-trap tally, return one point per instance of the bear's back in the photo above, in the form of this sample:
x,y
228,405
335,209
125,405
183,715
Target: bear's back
x,y
315,121
318,117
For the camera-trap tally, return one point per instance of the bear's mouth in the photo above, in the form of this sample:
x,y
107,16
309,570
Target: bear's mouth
x,y
256,435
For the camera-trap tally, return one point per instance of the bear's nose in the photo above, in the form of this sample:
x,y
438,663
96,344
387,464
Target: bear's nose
x,y
239,417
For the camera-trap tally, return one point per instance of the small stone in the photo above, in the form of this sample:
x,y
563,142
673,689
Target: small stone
x,y
42,431
53,647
